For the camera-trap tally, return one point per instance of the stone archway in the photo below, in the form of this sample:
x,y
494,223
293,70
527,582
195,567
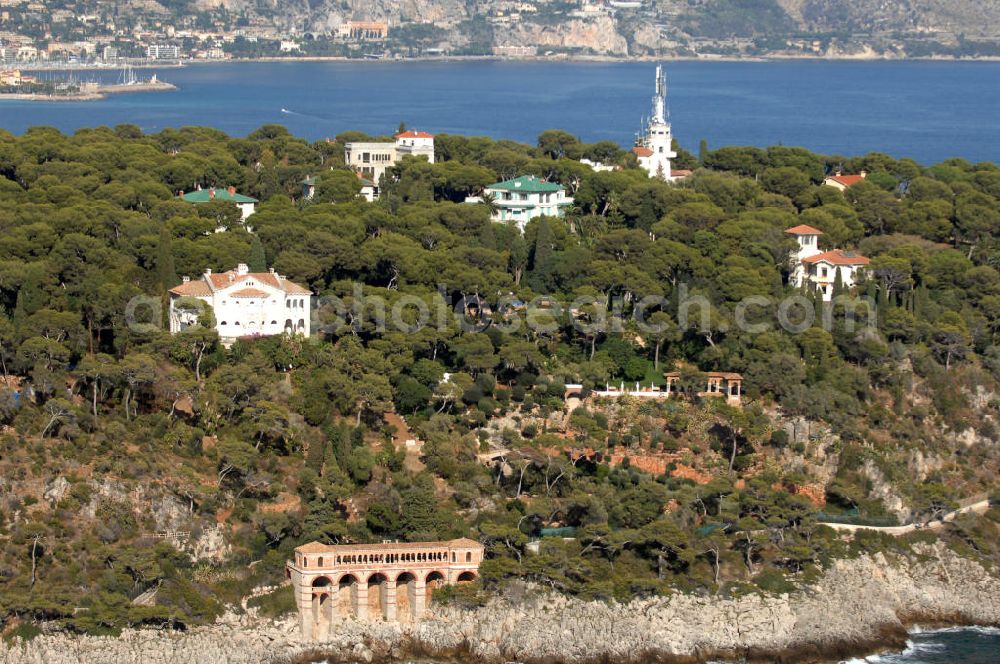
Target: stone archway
x,y
347,596
378,595
466,577
433,580
322,604
406,597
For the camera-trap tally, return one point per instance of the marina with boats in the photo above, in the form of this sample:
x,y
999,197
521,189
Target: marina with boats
x,y
18,85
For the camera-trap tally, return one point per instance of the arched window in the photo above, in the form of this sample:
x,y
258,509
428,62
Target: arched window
x,y
222,323
320,561
468,556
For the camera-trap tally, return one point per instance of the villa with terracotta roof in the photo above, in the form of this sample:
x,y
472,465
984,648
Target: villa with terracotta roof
x,y
842,182
246,204
810,265
372,160
244,303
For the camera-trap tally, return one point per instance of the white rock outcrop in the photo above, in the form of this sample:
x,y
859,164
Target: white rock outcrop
x,y
857,605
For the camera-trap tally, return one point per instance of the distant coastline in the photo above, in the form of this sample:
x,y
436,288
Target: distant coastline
x,y
777,57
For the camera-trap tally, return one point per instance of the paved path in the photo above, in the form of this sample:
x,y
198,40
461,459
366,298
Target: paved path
x,y
896,531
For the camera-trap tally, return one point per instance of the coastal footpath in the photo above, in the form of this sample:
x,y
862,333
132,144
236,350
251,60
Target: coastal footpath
x,y
856,607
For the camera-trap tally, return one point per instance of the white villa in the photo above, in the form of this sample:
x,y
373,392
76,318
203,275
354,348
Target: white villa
x,y
524,198
654,146
245,304
820,268
372,159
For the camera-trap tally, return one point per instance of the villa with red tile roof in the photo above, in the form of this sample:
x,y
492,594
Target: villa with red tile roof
x,y
372,159
810,265
842,182
244,304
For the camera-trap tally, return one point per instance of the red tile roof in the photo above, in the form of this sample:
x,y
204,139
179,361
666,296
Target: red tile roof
x,y
225,279
249,292
838,257
414,134
642,152
192,289
802,229
846,180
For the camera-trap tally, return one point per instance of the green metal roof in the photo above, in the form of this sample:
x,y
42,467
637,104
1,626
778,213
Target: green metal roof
x,y
527,183
221,194
309,181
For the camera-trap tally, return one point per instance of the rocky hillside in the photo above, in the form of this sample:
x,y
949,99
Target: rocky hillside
x,y
647,28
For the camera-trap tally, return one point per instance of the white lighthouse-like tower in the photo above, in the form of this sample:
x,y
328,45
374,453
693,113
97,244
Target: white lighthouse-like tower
x,y
654,147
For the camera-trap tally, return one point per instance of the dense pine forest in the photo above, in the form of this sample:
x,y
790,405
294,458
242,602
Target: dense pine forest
x,y
154,479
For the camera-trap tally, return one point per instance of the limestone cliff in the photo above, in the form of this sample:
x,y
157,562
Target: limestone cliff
x,y
856,606
598,35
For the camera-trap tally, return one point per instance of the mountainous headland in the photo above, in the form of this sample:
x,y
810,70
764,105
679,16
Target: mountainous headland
x,y
738,403
81,31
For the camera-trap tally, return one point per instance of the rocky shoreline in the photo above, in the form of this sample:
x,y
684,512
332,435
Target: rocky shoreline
x,y
857,607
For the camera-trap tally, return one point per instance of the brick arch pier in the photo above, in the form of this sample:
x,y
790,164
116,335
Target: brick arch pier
x,y
389,581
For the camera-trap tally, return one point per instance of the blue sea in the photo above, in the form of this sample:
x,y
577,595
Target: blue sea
x,y
929,111
956,645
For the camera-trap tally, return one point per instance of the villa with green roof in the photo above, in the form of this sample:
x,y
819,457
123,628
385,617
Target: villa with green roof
x,y
246,204
527,197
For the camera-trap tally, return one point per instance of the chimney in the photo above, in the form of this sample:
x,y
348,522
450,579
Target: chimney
x,y
242,268
208,271
185,280
211,194
864,174
232,190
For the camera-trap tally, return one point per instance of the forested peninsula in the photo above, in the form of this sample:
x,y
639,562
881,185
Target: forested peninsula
x,y
152,480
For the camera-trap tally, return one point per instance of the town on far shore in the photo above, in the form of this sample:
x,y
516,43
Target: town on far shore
x,y
61,33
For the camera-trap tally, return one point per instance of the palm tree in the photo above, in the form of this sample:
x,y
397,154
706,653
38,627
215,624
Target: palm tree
x,y
490,201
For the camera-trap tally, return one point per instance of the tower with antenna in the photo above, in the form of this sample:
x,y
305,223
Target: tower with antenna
x,y
654,146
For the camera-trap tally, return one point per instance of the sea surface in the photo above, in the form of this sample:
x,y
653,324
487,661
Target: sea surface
x,y
955,645
926,110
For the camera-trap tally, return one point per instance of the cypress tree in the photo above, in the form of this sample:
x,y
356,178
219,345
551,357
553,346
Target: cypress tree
x,y
838,284
166,273
257,261
541,257
702,151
